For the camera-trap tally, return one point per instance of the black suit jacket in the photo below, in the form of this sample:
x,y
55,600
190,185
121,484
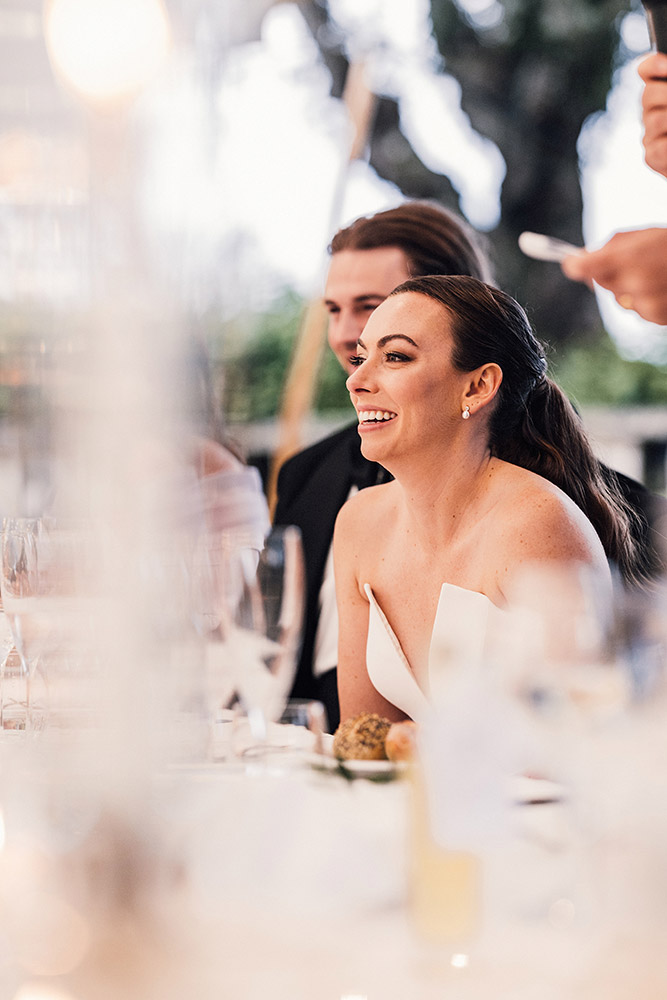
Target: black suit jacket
x,y
650,527
312,487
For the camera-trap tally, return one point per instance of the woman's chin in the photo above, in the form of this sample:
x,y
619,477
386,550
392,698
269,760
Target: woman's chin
x,y
373,453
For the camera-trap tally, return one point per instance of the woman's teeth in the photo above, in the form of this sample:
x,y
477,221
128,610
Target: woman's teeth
x,y
368,416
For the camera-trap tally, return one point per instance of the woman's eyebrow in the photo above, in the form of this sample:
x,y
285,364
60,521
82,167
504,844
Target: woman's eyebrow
x,y
383,341
396,336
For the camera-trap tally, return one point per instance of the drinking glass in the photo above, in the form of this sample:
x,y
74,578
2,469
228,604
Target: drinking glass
x,y
264,603
303,723
12,679
20,589
207,581
568,701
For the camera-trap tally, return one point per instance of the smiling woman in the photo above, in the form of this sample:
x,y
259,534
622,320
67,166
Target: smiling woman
x,y
493,475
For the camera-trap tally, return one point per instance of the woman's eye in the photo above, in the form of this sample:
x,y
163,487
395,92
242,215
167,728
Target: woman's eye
x,y
356,360
396,356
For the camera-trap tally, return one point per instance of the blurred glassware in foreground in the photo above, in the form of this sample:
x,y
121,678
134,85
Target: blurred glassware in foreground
x,y
307,714
13,692
585,673
536,813
21,586
264,613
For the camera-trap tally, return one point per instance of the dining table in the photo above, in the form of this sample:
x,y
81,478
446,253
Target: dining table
x,y
289,875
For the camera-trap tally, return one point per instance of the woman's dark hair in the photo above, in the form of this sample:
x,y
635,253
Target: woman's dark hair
x,y
434,240
532,424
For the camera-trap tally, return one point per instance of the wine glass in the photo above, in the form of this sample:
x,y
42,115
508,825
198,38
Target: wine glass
x,y
264,604
208,573
19,586
567,699
12,679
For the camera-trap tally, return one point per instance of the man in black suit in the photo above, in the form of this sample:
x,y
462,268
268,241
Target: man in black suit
x,y
369,259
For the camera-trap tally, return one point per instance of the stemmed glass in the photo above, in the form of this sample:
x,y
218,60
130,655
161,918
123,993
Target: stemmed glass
x,y
20,585
264,602
207,577
12,679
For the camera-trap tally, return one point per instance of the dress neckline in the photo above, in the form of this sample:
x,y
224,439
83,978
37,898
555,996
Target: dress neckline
x,y
388,666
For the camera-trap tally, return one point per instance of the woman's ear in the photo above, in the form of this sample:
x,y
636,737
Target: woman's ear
x,y
483,387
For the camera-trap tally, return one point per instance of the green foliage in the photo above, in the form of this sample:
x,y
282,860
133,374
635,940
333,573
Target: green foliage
x,y
596,373
255,356
331,395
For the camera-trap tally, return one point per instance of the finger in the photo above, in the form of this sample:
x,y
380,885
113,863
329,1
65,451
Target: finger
x,y
654,97
655,126
653,67
652,308
578,266
655,155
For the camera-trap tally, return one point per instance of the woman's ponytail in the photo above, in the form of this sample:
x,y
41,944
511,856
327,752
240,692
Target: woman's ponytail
x,y
549,439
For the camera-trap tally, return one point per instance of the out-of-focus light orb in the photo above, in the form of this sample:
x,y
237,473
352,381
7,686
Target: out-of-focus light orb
x,y
460,961
106,50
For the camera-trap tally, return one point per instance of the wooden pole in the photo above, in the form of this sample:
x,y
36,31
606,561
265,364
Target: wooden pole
x,y
301,381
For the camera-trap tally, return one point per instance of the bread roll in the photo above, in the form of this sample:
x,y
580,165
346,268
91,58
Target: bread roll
x,y
400,741
361,738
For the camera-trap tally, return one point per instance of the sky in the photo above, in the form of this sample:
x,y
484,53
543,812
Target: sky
x,y
277,169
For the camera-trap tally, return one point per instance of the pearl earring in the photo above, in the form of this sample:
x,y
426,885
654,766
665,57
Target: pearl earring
x,y
466,413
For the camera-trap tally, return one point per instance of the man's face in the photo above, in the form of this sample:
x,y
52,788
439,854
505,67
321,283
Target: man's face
x,y
358,281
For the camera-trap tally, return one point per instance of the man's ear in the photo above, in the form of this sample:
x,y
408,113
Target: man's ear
x,y
483,386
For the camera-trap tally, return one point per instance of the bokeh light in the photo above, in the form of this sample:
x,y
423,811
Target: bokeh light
x,y
106,50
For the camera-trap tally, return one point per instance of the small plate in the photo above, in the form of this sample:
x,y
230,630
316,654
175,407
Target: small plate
x,y
371,768
378,770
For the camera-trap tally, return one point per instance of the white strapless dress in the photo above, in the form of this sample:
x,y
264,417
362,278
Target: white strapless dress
x,y
461,630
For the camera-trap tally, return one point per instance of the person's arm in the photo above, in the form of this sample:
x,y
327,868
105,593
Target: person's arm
x,y
653,71
355,691
632,265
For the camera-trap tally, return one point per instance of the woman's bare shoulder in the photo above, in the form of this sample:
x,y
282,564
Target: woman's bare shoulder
x,y
537,520
367,505
363,519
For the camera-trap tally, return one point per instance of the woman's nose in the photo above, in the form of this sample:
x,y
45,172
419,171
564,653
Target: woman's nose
x,y
356,382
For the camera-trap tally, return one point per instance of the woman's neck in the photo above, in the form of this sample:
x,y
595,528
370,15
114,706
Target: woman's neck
x,y
439,496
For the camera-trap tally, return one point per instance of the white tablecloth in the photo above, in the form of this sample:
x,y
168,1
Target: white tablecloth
x,y
294,884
